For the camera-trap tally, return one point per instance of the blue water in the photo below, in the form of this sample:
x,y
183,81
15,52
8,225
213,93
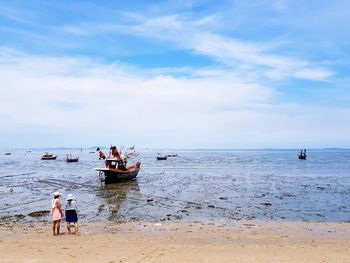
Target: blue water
x,y
196,185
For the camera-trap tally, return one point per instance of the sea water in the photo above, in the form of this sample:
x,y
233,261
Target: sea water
x,y
195,185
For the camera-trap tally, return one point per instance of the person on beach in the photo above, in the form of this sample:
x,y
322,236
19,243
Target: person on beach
x,y
56,213
71,213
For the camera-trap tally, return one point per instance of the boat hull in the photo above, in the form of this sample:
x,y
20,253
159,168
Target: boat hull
x,y
75,160
115,175
49,158
162,158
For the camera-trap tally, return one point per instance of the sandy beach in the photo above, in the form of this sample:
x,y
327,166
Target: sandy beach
x,y
243,241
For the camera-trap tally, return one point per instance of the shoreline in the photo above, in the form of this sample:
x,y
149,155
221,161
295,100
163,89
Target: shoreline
x,y
220,241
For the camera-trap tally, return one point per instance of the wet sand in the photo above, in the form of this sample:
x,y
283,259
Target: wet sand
x,y
195,185
222,241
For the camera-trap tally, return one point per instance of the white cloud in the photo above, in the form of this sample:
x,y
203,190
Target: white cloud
x,y
313,74
76,95
22,16
194,35
85,103
230,51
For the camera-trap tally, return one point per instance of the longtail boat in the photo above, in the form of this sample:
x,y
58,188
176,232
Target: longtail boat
x,y
302,155
70,159
49,157
116,168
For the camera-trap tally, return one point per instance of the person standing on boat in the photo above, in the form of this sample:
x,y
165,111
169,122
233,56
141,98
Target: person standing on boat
x,y
101,154
71,213
113,152
56,213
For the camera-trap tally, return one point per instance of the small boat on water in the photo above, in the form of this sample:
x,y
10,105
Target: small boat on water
x,y
8,153
70,159
48,156
162,157
116,167
172,155
302,155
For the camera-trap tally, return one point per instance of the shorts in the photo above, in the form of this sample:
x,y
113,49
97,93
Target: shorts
x,y
71,216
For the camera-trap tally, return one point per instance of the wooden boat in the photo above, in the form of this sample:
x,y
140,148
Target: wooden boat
x,y
70,159
116,169
47,156
162,157
302,157
116,172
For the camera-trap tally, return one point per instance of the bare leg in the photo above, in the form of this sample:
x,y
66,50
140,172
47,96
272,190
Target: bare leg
x,y
68,228
76,228
53,227
58,226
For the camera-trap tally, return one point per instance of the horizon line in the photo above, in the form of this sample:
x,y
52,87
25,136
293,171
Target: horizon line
x,y
170,148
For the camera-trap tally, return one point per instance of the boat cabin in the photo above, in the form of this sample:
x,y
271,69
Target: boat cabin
x,y
116,164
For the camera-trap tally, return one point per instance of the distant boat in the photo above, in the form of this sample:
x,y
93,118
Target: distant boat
x,y
48,156
172,155
8,153
302,155
70,159
162,157
29,151
92,152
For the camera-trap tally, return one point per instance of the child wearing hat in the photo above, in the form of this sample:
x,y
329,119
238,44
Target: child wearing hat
x,y
71,213
56,213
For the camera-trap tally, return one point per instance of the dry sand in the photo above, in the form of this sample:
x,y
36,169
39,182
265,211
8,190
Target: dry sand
x,y
250,241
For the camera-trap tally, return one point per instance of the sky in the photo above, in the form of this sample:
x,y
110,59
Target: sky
x,y
175,74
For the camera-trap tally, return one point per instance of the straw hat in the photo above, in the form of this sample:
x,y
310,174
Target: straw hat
x,y
57,193
70,197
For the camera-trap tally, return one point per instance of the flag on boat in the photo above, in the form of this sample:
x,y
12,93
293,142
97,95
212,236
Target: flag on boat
x,y
131,149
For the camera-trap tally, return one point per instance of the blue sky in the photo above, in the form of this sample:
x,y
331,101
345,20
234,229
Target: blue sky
x,y
178,74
